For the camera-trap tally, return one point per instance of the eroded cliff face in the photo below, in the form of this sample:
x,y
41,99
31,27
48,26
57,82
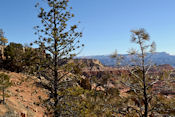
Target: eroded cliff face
x,y
93,68
89,64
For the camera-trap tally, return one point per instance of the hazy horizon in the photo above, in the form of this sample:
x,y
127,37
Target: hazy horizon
x,y
79,55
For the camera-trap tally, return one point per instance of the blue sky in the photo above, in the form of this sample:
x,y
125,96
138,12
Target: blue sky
x,y
106,24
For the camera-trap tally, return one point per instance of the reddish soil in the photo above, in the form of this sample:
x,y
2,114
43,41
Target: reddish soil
x,y
24,97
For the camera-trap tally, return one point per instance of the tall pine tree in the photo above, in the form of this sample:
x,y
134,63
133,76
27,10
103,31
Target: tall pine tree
x,y
59,39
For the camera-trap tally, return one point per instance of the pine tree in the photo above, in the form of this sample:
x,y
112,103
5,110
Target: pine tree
x,y
143,100
138,79
141,37
14,54
59,39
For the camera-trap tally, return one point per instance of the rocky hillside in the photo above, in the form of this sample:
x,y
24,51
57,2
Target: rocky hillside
x,y
24,97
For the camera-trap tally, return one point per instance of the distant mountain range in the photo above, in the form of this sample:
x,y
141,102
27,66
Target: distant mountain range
x,y
158,58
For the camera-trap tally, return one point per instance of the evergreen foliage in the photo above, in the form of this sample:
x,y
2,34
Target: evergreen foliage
x,y
59,39
13,54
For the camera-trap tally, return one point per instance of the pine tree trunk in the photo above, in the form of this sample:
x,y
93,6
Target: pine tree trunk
x,y
144,89
145,99
56,113
144,80
3,95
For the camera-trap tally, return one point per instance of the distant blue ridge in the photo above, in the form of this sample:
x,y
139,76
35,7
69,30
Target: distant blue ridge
x,y
158,58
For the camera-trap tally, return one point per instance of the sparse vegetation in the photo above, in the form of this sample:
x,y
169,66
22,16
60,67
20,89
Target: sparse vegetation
x,y
4,83
48,79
